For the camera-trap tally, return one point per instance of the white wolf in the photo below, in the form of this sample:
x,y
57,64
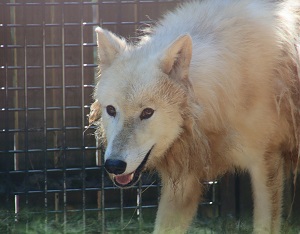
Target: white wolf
x,y
212,88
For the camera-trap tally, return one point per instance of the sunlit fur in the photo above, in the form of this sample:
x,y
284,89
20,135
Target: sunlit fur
x,y
222,78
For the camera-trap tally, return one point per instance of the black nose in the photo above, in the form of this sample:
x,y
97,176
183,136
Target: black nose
x,y
116,167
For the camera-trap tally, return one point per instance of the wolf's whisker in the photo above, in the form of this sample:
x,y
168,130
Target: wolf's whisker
x,y
87,128
131,218
148,186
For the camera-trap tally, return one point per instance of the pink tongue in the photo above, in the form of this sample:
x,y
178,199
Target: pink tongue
x,y
124,179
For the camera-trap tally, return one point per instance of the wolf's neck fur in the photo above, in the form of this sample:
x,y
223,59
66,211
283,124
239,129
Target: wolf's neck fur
x,y
195,151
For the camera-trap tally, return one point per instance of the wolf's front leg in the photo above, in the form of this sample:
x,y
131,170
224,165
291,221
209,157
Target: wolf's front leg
x,y
178,205
267,182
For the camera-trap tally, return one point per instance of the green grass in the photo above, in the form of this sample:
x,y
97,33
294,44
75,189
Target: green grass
x,y
230,225
32,223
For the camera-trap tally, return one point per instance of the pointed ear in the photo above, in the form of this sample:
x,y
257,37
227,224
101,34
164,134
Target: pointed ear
x,y
176,59
109,46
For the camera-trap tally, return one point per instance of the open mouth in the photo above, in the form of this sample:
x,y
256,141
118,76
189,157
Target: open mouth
x,y
128,180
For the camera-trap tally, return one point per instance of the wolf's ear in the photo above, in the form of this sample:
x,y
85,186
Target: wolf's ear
x,y
109,45
177,57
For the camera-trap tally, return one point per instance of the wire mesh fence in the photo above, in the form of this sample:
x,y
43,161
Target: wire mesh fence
x,y
50,163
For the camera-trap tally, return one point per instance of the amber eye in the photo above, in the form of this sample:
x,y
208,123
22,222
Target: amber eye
x,y
146,113
111,110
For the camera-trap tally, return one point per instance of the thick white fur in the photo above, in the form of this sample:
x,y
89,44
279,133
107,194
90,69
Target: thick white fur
x,y
221,77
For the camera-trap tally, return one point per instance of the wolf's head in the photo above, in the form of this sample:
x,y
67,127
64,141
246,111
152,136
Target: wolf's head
x,y
142,93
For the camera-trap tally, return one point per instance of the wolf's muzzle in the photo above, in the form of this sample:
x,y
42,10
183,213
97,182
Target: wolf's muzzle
x,y
116,167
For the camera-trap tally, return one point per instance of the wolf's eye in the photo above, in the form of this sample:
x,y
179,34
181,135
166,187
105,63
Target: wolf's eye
x,y
146,113
111,110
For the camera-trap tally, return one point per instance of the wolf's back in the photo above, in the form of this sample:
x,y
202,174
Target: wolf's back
x,y
244,53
